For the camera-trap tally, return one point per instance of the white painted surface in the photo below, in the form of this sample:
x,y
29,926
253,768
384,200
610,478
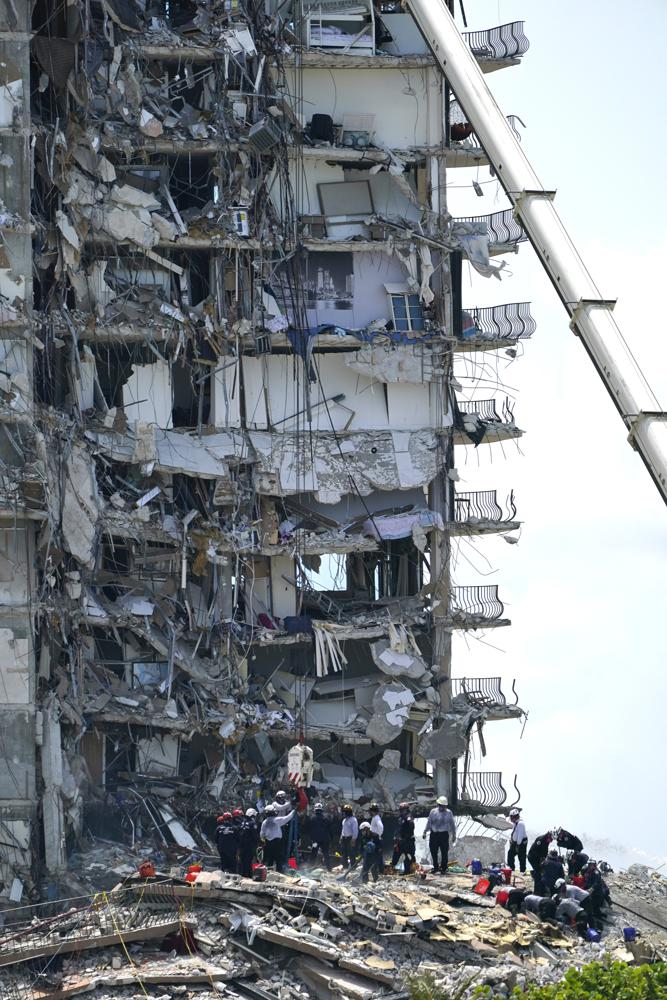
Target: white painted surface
x,y
147,395
226,395
406,103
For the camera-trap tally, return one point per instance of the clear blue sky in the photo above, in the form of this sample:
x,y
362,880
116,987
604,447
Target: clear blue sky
x,y
586,585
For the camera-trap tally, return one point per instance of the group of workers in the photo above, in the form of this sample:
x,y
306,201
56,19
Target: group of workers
x,y
575,898
240,834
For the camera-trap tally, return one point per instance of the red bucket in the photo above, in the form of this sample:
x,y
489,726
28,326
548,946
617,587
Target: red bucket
x,y
502,896
507,875
482,887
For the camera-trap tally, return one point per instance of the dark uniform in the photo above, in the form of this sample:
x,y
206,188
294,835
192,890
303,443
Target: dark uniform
x,y
552,870
405,842
536,856
319,829
371,850
227,840
248,842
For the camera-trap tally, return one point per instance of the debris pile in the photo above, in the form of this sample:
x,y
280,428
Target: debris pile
x,y
315,935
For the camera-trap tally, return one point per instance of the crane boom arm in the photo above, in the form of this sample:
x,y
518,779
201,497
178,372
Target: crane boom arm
x,y
590,315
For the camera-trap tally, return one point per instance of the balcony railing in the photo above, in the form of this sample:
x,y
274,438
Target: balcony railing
x,y
477,602
507,41
481,788
483,506
502,228
482,692
511,321
466,134
486,410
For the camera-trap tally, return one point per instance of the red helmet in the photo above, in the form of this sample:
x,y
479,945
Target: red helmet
x,y
237,813
219,819
226,816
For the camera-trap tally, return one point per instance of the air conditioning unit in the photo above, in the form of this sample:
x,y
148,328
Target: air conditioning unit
x,y
264,135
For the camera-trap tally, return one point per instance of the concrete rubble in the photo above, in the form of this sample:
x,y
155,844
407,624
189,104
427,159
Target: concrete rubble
x,y
316,935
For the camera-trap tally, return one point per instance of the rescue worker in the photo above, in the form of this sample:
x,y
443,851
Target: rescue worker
x,y
349,833
543,907
319,829
442,829
248,841
598,889
271,834
518,842
581,896
227,840
536,857
568,840
552,871
575,862
282,806
371,853
405,839
515,898
571,914
377,826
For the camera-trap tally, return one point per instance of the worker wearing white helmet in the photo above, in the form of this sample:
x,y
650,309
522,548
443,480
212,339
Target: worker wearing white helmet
x,y
442,829
518,841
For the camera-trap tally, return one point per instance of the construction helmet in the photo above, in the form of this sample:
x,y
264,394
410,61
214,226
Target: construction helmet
x,y
515,812
559,883
374,807
364,826
281,794
237,813
318,807
442,800
226,817
251,812
347,808
220,819
270,810
403,806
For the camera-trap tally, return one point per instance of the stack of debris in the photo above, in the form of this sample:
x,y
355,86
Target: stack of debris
x,y
321,936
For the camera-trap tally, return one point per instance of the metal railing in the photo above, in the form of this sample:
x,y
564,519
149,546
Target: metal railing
x,y
457,116
506,41
511,321
486,410
482,691
483,788
477,602
501,227
483,505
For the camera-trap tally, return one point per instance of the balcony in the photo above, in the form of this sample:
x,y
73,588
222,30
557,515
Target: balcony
x,y
463,137
480,791
497,47
478,420
490,327
476,607
503,230
486,693
480,513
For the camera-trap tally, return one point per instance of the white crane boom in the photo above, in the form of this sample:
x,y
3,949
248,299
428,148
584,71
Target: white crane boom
x,y
590,314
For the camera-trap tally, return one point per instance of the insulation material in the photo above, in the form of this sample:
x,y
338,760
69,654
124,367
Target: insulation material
x,y
402,363
392,526
399,659
147,395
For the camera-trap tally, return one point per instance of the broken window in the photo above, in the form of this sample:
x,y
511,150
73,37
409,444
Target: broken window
x,y
406,311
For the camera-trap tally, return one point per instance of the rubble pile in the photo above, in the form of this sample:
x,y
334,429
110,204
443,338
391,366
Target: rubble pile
x,y
313,935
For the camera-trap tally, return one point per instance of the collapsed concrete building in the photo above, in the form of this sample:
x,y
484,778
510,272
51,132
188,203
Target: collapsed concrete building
x,y
231,307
